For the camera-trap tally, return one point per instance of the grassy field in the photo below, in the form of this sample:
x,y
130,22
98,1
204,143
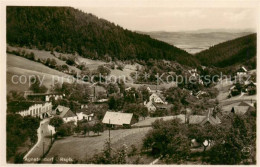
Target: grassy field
x,y
20,66
41,54
82,148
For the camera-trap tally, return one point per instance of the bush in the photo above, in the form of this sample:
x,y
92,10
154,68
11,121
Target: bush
x,y
65,129
70,61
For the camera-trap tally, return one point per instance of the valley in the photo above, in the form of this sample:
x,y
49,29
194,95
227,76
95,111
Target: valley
x,y
84,90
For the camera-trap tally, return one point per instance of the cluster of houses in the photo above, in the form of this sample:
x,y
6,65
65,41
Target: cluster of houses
x,y
244,85
156,101
68,116
44,110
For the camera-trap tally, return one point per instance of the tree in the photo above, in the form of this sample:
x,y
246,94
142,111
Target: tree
x,y
31,123
36,86
234,135
64,67
65,129
103,70
70,61
98,127
53,63
203,135
143,111
112,88
144,92
121,155
56,122
15,96
18,130
175,146
115,102
86,128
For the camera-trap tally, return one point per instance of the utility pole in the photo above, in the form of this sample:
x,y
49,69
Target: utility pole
x,y
43,148
51,136
109,140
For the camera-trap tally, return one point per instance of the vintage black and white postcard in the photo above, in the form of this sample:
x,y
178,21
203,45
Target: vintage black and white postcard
x,y
129,82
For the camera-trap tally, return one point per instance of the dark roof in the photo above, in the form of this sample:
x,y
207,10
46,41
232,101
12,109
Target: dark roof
x,y
159,105
84,110
242,69
203,119
43,94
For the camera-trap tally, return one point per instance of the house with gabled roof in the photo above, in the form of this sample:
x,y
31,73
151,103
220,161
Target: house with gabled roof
x,y
66,114
157,98
241,71
150,106
251,88
156,101
210,118
85,114
243,108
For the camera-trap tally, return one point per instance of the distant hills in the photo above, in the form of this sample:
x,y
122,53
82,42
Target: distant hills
x,y
199,40
234,52
69,30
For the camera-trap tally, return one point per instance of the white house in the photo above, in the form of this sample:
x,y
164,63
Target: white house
x,y
157,98
66,114
150,106
153,89
84,114
29,95
55,96
41,110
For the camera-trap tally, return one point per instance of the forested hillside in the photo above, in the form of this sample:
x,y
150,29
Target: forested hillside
x,y
238,51
69,30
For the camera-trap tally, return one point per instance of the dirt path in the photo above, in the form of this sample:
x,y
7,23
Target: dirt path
x,y
43,141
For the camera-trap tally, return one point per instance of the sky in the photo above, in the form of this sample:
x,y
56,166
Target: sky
x,y
171,18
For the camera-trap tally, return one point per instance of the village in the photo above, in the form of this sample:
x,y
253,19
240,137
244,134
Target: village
x,y
142,83
126,109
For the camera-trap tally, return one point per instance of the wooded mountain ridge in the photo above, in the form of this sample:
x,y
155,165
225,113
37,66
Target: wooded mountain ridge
x,y
69,30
